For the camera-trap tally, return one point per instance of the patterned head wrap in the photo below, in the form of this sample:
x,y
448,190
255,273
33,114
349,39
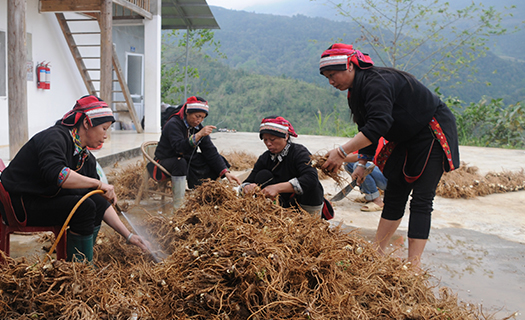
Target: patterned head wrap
x,y
95,110
193,104
339,55
277,126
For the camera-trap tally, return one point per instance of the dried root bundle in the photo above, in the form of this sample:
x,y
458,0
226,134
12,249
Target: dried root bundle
x,y
127,181
240,161
466,182
317,161
229,258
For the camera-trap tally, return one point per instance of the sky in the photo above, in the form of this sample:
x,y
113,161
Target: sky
x,y
315,8
240,4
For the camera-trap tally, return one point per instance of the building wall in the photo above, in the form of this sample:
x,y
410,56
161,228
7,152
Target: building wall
x,y
46,43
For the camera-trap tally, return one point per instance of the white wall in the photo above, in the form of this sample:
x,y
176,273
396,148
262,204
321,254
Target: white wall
x,y
48,44
3,99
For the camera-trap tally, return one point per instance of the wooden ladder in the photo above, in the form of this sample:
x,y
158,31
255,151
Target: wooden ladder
x,y
90,56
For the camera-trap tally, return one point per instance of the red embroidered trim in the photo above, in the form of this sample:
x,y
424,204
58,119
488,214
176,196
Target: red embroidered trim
x,y
385,152
438,132
383,155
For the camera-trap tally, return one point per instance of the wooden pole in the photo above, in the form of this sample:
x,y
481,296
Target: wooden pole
x,y
17,83
106,52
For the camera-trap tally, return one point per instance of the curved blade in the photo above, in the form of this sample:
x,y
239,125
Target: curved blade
x,y
346,190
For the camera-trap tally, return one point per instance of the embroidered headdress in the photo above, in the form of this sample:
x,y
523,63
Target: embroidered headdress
x,y
194,104
339,55
95,109
277,126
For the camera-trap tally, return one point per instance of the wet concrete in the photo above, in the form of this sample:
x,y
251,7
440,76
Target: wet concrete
x,y
482,270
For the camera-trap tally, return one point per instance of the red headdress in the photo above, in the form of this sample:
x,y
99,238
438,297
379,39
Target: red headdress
x,y
278,126
194,104
94,108
339,56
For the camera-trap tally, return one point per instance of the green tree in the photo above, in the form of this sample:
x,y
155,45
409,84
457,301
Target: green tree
x,y
173,67
489,122
428,38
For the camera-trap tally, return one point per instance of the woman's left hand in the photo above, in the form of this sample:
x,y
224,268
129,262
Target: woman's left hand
x,y
109,192
232,178
271,191
333,161
359,175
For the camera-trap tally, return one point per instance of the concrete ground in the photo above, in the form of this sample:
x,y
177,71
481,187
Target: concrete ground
x,y
476,246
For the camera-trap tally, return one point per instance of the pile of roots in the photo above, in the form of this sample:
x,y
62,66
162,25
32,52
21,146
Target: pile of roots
x,y
229,258
128,180
240,161
466,182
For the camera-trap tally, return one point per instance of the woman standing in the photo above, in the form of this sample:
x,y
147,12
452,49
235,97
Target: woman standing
x,y
283,170
55,169
421,131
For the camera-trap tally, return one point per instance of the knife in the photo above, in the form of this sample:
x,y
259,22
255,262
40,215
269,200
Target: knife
x,y
346,190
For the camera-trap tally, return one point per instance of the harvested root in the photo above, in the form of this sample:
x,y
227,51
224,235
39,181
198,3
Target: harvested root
x,y
240,161
317,161
229,257
466,182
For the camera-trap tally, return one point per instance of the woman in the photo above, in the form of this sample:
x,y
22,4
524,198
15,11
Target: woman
x,y
283,170
181,136
421,131
55,169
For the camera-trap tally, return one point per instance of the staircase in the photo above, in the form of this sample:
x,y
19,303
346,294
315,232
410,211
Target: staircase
x,y
79,31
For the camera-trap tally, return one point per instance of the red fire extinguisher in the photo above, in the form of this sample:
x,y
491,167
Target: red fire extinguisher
x,y
41,76
48,76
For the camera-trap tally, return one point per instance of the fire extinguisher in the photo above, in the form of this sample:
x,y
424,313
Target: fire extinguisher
x,y
41,76
48,76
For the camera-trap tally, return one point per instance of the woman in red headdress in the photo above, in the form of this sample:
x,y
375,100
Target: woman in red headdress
x,y
55,169
421,131
283,170
182,136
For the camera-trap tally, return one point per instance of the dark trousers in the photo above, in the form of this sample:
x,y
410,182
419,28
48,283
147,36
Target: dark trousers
x,y
54,211
194,167
423,191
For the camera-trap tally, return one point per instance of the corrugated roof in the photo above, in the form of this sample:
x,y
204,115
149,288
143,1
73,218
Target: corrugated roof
x,y
181,14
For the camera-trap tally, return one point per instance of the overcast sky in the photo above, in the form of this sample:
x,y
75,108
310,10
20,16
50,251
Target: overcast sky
x,y
240,4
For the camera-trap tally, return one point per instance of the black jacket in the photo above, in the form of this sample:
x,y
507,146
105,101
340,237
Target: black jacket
x,y
174,142
293,165
36,167
399,108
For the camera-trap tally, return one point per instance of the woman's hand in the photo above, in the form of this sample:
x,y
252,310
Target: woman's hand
x,y
359,175
205,131
109,192
333,161
140,242
271,191
232,178
250,188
